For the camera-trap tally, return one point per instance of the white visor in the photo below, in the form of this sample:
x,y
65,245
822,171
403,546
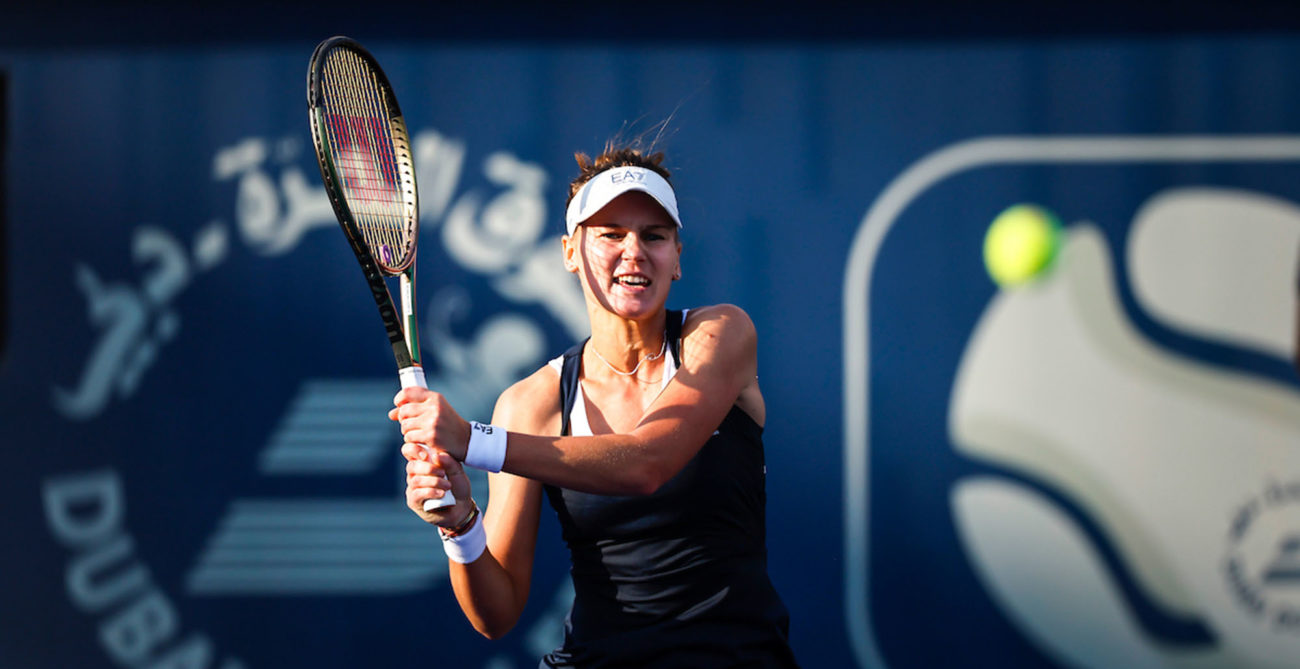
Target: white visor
x,y
613,182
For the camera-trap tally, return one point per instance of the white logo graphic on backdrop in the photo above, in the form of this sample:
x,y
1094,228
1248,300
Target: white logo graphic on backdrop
x,y
1158,452
138,623
281,546
135,321
272,216
337,428
338,546
498,239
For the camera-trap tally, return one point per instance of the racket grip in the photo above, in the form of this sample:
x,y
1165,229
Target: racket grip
x,y
411,377
443,502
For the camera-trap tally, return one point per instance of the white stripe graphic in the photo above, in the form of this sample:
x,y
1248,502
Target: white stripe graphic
x,y
320,547
333,427
331,546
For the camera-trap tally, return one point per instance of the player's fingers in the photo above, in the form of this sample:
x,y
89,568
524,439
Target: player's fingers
x,y
429,482
430,469
417,495
412,451
427,487
419,468
415,499
419,412
417,436
408,395
449,464
457,477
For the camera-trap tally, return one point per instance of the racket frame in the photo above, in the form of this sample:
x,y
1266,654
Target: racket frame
x,y
402,330
401,327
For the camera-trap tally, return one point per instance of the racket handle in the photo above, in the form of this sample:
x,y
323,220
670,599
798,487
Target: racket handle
x,y
446,500
412,377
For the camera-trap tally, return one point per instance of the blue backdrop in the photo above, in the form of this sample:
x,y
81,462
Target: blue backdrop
x,y
194,381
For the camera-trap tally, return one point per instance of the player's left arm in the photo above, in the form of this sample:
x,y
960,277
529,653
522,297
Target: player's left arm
x,y
719,362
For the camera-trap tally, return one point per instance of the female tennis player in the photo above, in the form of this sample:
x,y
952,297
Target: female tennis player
x,y
646,439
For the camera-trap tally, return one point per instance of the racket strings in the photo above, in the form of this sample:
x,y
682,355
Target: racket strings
x,y
359,133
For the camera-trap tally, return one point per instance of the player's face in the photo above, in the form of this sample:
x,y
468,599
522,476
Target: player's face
x,y
627,255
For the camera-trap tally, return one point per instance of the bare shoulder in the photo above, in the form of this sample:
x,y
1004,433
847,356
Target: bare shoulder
x,y
721,333
726,322
531,405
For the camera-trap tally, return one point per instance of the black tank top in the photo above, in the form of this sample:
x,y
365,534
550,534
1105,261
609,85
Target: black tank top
x,y
675,579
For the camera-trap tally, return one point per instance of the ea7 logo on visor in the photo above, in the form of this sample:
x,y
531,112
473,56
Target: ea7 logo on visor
x,y
626,176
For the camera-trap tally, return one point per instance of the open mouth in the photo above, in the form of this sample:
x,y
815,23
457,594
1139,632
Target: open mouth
x,y
632,280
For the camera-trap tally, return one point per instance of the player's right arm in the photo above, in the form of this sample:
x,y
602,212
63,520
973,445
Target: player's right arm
x,y
493,589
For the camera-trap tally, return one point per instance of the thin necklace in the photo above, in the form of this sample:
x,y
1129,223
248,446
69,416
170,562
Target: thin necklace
x,y
620,372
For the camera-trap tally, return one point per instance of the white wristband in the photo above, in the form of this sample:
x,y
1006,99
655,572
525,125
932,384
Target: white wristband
x,y
487,447
467,547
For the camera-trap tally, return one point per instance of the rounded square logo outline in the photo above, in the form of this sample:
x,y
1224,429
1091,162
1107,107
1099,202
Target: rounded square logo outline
x,y
885,210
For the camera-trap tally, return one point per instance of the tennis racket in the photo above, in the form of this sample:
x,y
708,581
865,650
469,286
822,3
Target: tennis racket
x,y
365,161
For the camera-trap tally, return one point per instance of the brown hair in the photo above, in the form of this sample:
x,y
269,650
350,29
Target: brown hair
x,y
614,155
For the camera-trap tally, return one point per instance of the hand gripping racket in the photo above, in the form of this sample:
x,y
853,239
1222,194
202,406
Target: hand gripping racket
x,y
365,160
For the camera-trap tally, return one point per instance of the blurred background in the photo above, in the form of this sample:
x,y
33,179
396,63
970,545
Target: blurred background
x,y
1097,468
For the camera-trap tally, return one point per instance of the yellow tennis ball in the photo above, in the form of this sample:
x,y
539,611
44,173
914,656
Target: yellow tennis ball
x,y
1021,244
